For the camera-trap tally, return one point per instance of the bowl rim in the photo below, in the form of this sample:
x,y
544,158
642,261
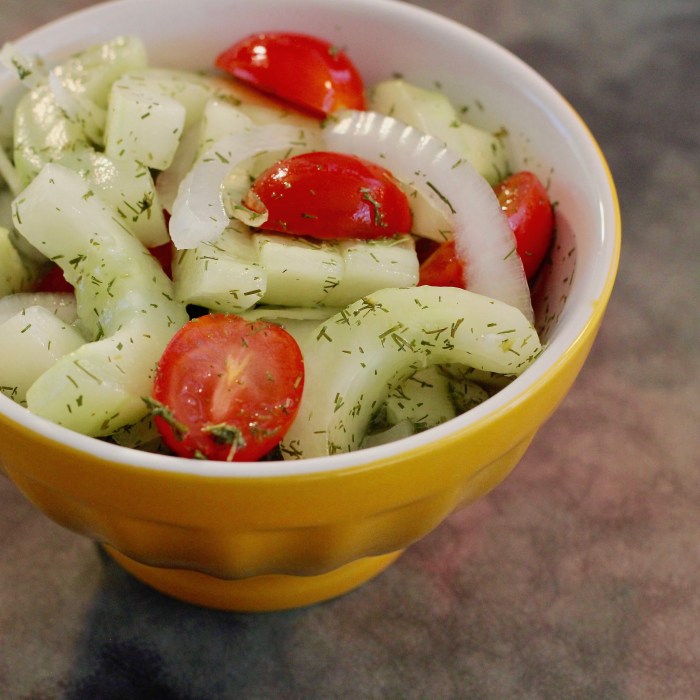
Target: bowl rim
x,y
575,328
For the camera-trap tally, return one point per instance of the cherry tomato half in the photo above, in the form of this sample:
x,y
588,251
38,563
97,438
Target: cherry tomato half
x,y
525,202
330,195
309,72
226,388
443,268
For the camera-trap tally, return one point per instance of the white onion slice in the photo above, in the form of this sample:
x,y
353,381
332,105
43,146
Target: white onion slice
x,y
199,213
482,235
168,180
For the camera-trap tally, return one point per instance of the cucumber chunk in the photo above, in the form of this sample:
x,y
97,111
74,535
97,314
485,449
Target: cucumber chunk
x,y
143,123
82,83
42,133
149,109
423,398
372,265
354,359
396,432
65,109
221,276
300,271
16,273
60,304
125,302
299,322
128,186
33,339
192,90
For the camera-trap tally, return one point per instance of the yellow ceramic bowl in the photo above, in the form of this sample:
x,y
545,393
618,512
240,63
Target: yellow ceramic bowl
x,y
276,535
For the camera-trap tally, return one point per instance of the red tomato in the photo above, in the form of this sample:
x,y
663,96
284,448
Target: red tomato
x,y
443,268
226,388
425,247
164,255
54,281
525,202
330,195
304,70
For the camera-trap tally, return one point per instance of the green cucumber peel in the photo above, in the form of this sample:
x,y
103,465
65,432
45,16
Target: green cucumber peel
x,y
125,303
355,358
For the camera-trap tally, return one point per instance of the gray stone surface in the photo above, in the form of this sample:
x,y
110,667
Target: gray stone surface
x,y
577,578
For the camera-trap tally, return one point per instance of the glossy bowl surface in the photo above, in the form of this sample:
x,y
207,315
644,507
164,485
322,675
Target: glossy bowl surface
x,y
276,535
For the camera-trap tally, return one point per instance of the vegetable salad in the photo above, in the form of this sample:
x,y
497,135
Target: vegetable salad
x,y
267,260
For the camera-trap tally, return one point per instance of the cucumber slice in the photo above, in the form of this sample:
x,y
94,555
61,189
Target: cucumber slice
x,y
66,111
221,276
91,72
143,123
125,303
128,186
433,113
33,339
241,269
423,398
467,395
399,431
143,435
81,84
355,358
149,109
16,273
42,133
60,304
300,271
372,265
298,322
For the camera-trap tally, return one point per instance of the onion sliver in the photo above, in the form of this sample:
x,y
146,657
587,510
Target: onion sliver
x,y
168,180
199,214
483,237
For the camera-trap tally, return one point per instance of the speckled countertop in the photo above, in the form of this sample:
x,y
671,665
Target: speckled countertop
x,y
579,577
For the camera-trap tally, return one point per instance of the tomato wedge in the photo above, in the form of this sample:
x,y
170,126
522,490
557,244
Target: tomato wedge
x,y
226,388
330,195
525,202
307,71
443,268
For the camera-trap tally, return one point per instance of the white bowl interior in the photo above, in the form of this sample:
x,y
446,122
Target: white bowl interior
x,y
385,37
